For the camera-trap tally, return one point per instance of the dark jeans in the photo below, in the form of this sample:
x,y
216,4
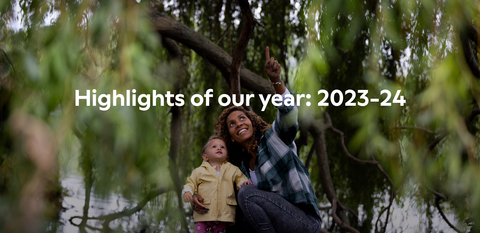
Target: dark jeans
x,y
263,211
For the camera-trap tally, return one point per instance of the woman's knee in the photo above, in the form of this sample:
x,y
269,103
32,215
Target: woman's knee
x,y
246,192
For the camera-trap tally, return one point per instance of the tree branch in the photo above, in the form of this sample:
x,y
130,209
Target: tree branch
x,y
176,129
82,227
282,44
128,212
309,156
328,122
302,140
473,33
338,221
338,216
259,24
390,203
438,197
175,30
353,212
245,35
224,34
342,141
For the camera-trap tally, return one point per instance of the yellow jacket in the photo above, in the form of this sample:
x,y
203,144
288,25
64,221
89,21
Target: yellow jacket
x,y
217,192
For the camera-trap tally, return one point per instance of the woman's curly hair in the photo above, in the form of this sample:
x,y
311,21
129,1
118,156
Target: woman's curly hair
x,y
236,152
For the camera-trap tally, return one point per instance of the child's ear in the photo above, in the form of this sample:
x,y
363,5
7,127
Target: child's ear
x,y
205,158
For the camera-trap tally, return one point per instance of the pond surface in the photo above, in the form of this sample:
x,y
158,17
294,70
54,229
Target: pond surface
x,y
403,219
74,206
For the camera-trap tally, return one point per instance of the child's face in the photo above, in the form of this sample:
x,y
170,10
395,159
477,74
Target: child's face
x,y
216,151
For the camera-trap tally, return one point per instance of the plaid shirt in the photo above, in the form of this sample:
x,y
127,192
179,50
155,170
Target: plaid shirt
x,y
277,166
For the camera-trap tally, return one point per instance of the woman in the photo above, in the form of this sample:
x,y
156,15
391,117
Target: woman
x,y
282,199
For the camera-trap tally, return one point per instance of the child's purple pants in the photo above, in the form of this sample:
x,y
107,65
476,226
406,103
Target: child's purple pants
x,y
210,227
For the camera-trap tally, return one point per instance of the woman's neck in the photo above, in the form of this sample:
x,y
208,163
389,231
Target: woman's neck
x,y
246,145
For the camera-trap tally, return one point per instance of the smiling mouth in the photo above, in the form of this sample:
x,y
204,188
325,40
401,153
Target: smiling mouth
x,y
242,131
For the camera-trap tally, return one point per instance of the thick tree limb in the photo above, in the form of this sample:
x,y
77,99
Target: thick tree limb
x,y
338,215
473,33
176,129
332,226
353,212
322,162
342,224
309,156
89,179
302,140
282,43
175,30
245,35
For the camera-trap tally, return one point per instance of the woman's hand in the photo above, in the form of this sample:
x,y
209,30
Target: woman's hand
x,y
272,68
197,206
246,183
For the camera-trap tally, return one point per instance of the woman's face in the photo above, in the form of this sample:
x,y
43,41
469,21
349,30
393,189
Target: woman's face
x,y
240,127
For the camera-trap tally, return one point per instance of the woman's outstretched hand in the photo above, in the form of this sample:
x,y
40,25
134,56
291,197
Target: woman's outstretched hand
x,y
197,206
272,68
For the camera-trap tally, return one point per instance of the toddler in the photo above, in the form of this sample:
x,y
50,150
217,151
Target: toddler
x,y
213,180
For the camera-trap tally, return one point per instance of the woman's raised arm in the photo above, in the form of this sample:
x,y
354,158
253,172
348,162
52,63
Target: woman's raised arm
x,y
272,68
285,125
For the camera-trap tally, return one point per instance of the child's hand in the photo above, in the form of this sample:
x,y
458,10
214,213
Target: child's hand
x,y
246,183
187,197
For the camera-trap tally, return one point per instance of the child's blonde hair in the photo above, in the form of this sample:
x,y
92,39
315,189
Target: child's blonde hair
x,y
210,139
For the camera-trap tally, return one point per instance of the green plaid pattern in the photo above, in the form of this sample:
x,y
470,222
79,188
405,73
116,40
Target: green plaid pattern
x,y
277,166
